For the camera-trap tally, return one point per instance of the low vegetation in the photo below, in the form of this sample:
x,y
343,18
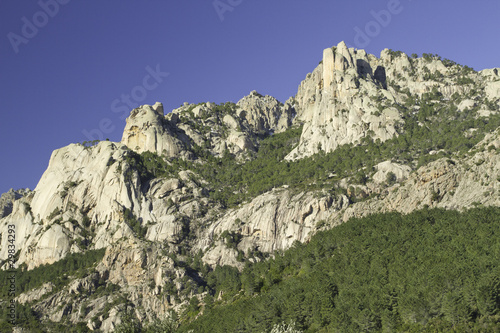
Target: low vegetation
x,y
59,274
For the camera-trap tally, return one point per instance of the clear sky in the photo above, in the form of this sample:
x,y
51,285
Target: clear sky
x,y
71,69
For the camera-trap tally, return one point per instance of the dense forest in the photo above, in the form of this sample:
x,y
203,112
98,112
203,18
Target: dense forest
x,y
429,271
59,274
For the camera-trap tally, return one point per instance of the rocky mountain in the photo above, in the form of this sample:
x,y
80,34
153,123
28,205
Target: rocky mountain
x,y
210,185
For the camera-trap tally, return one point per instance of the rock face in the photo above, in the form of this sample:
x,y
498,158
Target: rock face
x,y
7,200
86,191
148,130
271,222
78,182
445,183
492,88
347,97
265,113
232,127
337,102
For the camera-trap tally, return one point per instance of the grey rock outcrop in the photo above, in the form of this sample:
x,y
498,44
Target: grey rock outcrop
x,y
148,130
352,95
272,221
265,113
400,172
7,200
35,294
88,190
445,183
236,128
337,102
493,90
129,268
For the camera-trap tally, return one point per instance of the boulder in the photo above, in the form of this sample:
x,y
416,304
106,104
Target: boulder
x,y
383,169
466,104
492,90
148,130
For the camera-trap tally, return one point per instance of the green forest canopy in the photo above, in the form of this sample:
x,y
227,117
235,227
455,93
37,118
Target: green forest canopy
x,y
431,270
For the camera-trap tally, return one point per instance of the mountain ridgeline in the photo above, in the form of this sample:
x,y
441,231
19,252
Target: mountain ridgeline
x,y
366,202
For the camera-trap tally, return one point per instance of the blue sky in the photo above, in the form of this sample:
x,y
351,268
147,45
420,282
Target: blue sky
x,y
71,69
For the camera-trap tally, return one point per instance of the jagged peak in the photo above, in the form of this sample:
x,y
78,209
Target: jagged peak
x,y
340,101
158,107
254,95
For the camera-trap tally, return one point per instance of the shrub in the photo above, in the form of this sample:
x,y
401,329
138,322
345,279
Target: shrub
x,y
391,178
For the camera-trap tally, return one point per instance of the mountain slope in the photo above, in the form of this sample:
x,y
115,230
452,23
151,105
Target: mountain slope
x,y
209,186
430,270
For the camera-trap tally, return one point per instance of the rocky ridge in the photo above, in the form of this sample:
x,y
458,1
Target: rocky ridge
x,y
352,95
216,128
456,183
